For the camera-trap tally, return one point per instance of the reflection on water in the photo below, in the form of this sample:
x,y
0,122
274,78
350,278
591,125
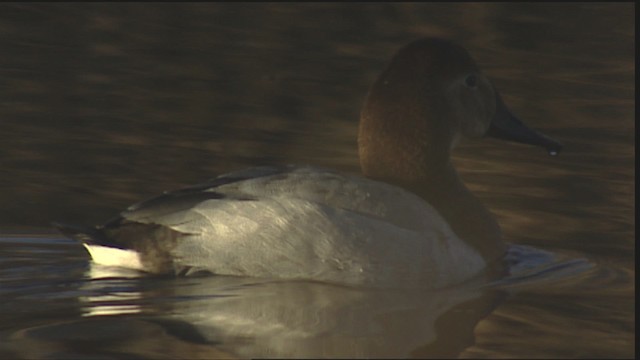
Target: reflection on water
x,y
106,104
130,315
118,312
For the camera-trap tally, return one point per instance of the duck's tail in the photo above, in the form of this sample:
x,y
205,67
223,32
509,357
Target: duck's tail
x,y
102,250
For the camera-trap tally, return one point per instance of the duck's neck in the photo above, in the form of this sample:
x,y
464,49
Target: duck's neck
x,y
466,215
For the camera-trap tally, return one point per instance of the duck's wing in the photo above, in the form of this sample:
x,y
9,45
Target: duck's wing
x,y
313,184
146,230
169,202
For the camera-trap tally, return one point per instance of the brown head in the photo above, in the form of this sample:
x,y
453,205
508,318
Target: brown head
x,y
430,95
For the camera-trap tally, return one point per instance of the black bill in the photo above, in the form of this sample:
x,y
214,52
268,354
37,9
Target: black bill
x,y
506,126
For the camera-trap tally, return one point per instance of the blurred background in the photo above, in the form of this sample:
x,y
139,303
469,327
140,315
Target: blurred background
x,y
102,105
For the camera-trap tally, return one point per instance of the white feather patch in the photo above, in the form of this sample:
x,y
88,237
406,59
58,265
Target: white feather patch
x,y
109,256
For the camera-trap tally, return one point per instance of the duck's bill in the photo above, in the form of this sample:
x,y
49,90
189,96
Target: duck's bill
x,y
506,126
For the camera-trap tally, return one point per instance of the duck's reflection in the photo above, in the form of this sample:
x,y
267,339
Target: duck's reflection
x,y
262,318
110,291
222,317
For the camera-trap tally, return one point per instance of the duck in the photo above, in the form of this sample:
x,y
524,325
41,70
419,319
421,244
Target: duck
x,y
407,220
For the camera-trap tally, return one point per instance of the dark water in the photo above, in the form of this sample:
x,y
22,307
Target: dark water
x,y
102,105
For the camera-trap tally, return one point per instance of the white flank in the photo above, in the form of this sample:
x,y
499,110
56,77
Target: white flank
x,y
114,257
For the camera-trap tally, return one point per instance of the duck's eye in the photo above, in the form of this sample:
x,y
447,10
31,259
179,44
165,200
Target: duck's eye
x,y
471,81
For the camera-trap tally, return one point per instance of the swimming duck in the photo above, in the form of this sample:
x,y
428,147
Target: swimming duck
x,y
408,221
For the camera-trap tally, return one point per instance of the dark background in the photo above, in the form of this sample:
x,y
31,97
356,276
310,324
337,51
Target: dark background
x,y
102,105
